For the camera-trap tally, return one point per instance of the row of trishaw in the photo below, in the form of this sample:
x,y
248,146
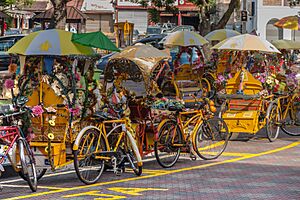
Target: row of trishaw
x,y
141,107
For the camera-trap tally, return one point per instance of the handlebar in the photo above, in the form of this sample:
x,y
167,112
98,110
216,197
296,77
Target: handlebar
x,y
2,115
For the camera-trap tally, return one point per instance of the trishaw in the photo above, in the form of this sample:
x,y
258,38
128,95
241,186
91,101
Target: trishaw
x,y
247,112
188,70
247,108
57,78
141,68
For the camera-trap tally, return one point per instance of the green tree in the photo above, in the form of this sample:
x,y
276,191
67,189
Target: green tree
x,y
18,3
207,8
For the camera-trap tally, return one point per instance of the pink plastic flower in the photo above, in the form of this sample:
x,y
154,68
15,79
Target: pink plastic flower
x,y
9,83
221,78
75,111
37,110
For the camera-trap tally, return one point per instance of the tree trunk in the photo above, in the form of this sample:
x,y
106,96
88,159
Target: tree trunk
x,y
59,12
223,21
204,16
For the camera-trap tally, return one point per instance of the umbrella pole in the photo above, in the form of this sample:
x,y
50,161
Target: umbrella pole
x,y
41,88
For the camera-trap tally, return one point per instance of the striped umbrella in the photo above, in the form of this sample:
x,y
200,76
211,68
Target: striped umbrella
x,y
49,42
221,34
290,22
184,38
246,42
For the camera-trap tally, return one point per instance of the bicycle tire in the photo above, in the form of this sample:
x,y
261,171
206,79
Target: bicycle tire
x,y
161,146
133,156
205,135
272,121
28,165
85,163
211,81
39,174
291,124
205,84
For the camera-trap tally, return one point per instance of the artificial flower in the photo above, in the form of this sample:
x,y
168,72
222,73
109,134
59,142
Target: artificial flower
x,y
51,109
37,110
12,68
9,84
75,111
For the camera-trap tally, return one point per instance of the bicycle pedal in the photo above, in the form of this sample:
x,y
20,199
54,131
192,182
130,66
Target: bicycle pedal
x,y
118,172
193,157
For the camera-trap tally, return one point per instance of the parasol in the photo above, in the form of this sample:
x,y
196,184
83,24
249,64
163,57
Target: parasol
x,y
49,42
184,38
221,34
94,39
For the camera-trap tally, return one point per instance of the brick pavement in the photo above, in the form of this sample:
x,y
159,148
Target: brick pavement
x,y
274,175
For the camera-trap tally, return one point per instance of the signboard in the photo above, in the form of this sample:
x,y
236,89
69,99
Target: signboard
x,y
104,5
185,3
126,28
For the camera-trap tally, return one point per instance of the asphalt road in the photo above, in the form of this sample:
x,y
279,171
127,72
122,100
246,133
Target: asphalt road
x,y
253,169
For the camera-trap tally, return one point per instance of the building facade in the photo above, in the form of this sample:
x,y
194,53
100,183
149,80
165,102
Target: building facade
x,y
100,13
133,13
266,13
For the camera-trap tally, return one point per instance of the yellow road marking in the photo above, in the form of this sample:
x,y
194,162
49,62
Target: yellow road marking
x,y
96,193
294,144
212,146
230,154
134,191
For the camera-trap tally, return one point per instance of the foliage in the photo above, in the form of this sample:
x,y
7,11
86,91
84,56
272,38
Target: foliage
x,y
206,9
17,3
294,2
154,15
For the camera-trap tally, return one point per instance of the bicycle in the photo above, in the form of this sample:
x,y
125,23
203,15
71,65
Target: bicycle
x,y
284,112
11,135
96,147
200,132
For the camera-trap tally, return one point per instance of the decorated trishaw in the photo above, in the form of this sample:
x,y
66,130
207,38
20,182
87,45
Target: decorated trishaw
x,y
188,70
139,70
57,76
248,106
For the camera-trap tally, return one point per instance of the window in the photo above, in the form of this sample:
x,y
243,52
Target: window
x,y
6,44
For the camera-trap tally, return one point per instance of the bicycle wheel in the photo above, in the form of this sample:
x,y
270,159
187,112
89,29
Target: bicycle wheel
x,y
88,168
206,86
211,138
213,89
165,152
28,164
291,125
272,123
133,155
39,174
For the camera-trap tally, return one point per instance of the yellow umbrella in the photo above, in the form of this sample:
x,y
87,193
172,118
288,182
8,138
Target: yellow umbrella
x,y
246,42
49,42
286,44
290,22
184,38
221,34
